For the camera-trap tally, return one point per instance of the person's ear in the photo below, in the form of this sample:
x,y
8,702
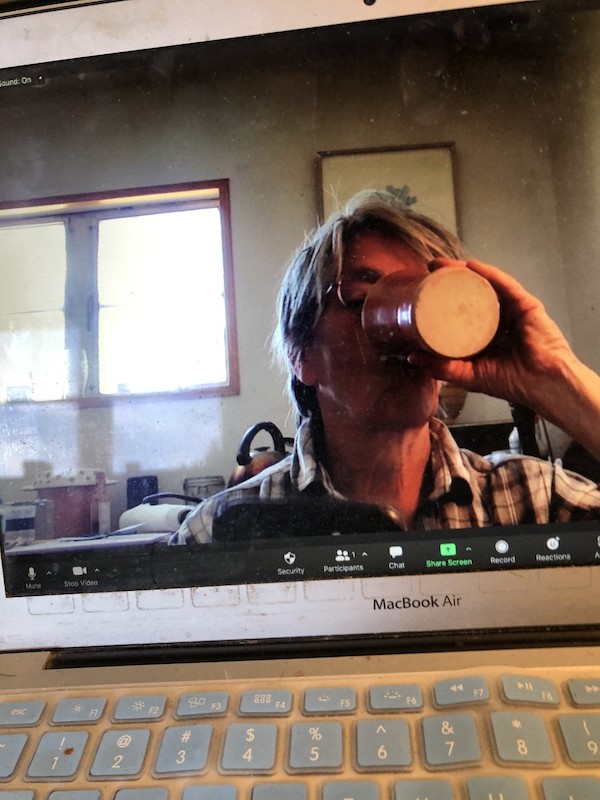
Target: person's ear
x,y
302,365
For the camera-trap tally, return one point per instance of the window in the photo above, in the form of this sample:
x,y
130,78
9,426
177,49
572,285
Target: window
x,y
118,295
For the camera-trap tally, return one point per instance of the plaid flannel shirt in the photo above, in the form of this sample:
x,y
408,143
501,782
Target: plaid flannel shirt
x,y
508,491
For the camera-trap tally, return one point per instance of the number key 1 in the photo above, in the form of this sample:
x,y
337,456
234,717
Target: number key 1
x,y
58,755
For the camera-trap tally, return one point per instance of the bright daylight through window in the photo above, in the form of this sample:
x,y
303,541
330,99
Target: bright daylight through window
x,y
123,295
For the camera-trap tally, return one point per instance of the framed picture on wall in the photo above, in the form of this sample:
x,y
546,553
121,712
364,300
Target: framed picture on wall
x,y
422,177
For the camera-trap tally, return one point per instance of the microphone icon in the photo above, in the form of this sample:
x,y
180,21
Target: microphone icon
x,y
31,573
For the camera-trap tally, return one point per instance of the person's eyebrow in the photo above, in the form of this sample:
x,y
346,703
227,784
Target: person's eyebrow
x,y
362,272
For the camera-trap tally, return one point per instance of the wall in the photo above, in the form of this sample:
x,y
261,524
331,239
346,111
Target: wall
x,y
576,154
215,114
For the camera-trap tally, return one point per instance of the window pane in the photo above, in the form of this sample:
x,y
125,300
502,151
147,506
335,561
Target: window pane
x,y
162,309
33,265
33,362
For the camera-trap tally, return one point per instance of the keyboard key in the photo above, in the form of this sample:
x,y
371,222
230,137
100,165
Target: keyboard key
x,y
140,707
280,791
419,790
350,790
58,755
79,710
120,754
220,792
582,737
535,691
266,703
74,794
316,746
157,793
202,704
585,692
383,744
11,747
521,738
339,700
497,788
249,748
396,697
14,794
453,692
184,749
451,740
571,788
21,714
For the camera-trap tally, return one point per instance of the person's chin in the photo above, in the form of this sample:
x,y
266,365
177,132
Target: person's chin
x,y
397,412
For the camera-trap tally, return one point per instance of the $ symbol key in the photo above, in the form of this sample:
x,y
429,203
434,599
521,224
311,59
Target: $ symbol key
x,y
249,748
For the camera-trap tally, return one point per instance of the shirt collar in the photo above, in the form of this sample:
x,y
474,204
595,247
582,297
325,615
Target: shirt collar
x,y
445,461
306,470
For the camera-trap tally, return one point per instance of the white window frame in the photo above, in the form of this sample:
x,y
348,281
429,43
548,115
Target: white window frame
x,y
81,215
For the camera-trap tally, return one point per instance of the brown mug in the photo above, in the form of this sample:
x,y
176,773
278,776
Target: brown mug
x,y
452,312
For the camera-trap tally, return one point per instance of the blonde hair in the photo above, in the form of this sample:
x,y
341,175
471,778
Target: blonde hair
x,y
318,264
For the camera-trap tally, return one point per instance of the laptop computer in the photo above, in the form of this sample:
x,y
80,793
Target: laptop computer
x,y
262,114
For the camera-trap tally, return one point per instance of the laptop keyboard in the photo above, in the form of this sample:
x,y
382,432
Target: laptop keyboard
x,y
490,735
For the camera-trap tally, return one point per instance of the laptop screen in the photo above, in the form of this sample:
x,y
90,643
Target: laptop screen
x,y
208,401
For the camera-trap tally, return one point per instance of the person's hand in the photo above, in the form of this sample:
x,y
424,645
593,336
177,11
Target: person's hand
x,y
528,357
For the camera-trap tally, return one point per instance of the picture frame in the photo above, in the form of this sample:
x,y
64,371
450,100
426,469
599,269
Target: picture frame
x,y
422,176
